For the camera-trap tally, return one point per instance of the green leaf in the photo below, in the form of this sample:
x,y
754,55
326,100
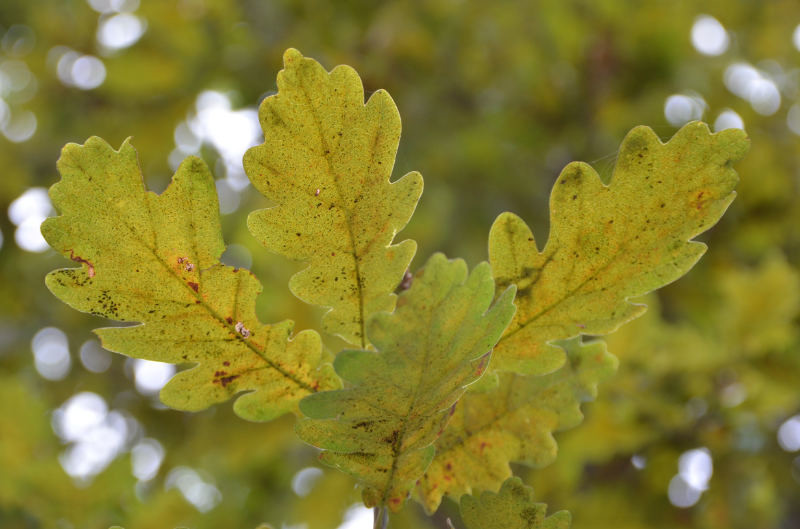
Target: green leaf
x,y
512,422
326,162
512,508
611,242
381,428
154,259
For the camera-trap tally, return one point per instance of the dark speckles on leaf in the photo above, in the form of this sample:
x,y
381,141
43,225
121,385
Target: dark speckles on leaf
x,y
573,172
78,259
146,271
531,516
394,437
370,209
227,380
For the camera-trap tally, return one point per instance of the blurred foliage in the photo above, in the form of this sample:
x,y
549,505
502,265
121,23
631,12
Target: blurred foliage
x,y
496,98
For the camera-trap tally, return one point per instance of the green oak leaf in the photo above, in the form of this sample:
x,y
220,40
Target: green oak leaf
x,y
154,259
326,161
380,429
511,508
609,243
512,422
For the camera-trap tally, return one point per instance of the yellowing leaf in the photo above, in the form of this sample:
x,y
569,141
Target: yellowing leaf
x,y
326,162
154,259
381,428
512,422
512,508
611,242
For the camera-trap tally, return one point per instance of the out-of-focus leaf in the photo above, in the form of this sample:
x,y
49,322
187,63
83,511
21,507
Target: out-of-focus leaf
x,y
326,161
513,422
512,508
611,242
381,428
154,259
760,306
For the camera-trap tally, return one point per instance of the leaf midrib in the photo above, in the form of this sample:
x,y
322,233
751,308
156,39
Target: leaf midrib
x,y
121,218
415,397
347,215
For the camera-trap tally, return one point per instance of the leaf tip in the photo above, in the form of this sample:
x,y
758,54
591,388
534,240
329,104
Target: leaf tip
x,y
290,56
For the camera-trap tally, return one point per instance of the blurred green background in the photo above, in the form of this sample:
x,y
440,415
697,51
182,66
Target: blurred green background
x,y
699,429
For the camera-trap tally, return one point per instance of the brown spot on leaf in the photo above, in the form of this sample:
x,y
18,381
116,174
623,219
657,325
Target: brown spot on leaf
x,y
227,380
392,439
479,369
699,201
194,285
78,259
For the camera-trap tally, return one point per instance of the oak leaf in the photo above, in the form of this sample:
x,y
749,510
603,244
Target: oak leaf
x,y
326,161
380,429
154,259
514,422
609,243
511,508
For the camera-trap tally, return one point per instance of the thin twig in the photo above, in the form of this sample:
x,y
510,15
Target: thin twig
x,y
381,519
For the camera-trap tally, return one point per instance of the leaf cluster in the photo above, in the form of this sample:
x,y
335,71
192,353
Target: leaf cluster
x,y
447,383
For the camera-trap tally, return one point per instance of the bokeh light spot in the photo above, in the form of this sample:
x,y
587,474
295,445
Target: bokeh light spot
x,y
151,376
728,119
200,493
94,358
51,353
21,127
681,494
146,458
19,40
789,434
709,36
357,517
120,31
680,109
304,480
